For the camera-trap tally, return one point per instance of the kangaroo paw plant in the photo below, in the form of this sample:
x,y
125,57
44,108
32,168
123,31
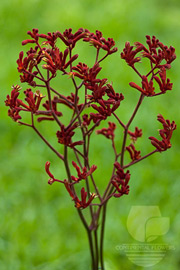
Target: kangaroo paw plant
x,y
92,103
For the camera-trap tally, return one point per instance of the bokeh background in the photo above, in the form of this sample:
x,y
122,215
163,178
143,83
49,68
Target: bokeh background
x,y
39,227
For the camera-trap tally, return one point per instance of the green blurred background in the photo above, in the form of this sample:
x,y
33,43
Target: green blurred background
x,y
39,227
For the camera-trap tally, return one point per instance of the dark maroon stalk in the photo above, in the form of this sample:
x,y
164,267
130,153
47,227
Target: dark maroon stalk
x,y
136,161
127,127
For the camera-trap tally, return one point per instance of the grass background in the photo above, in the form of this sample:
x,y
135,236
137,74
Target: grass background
x,y
39,227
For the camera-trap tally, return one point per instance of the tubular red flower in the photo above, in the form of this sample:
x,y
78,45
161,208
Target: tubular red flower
x,y
70,39
164,83
134,154
87,74
136,134
83,203
65,135
108,132
104,110
84,174
56,60
165,133
129,55
52,179
147,87
99,42
120,181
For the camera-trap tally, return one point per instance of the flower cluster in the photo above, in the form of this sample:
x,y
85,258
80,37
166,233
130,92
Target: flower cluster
x,y
16,105
165,134
108,132
84,174
99,42
65,135
44,61
120,181
134,154
83,203
160,57
136,134
77,114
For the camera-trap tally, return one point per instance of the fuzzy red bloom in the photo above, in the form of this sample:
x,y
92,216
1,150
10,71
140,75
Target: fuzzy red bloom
x,y
147,87
134,154
99,42
120,174
108,132
65,136
26,62
16,105
33,100
169,53
70,39
129,55
83,203
14,114
164,83
56,60
34,35
120,181
98,90
163,52
84,174
113,96
52,179
156,53
50,38
165,133
104,110
11,101
80,204
87,74
86,120
25,66
136,134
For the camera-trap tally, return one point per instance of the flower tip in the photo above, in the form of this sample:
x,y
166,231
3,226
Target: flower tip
x,y
47,163
50,181
71,75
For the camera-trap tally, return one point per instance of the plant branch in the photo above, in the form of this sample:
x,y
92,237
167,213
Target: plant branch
x,y
140,159
127,127
48,144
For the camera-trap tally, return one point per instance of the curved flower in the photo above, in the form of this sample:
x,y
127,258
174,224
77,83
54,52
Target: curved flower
x,y
165,133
